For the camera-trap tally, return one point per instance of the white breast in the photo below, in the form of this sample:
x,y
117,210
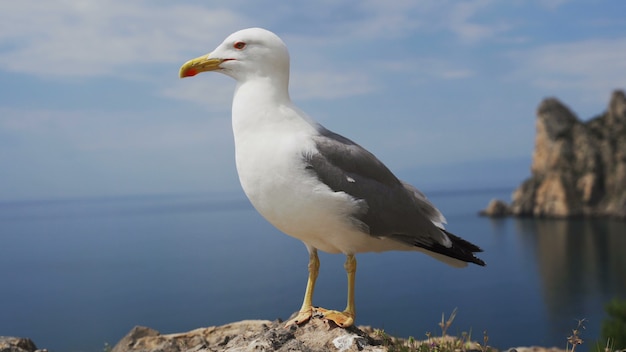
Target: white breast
x,y
272,172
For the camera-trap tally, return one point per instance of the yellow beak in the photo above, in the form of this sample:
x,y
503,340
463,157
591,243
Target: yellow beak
x,y
200,64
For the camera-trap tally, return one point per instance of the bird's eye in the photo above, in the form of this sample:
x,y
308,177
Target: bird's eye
x,y
239,45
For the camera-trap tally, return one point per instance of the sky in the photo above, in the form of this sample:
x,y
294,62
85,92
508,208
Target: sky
x,y
444,92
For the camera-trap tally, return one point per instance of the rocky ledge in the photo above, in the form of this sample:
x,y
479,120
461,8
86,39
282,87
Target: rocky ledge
x,y
578,168
252,335
18,344
317,335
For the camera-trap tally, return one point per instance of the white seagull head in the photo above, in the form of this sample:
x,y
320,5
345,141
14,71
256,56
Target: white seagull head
x,y
246,54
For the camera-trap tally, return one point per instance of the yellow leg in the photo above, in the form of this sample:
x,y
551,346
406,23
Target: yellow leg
x,y
306,311
345,318
350,267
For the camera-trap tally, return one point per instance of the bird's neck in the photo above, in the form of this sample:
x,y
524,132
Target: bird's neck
x,y
255,102
262,90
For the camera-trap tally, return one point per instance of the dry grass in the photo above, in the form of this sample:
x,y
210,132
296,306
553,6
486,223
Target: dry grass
x,y
464,343
442,343
574,339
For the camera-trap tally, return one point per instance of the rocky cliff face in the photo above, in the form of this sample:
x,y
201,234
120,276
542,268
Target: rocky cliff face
x,y
578,168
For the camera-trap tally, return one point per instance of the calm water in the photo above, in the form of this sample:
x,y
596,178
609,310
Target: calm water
x,y
78,273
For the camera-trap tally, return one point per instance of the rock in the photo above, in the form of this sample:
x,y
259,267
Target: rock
x,y
18,344
496,208
535,349
317,335
578,168
253,335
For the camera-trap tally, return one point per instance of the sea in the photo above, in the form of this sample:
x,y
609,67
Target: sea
x,y
78,274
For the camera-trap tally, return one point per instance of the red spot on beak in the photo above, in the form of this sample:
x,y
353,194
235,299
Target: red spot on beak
x,y
190,72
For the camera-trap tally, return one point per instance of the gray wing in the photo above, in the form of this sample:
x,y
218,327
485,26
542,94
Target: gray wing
x,y
394,209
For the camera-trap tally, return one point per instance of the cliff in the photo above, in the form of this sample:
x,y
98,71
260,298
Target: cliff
x,y
578,168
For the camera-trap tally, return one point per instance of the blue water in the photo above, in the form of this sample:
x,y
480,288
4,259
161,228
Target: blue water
x,y
76,274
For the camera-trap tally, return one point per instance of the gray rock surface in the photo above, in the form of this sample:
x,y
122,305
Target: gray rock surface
x,y
264,335
17,344
252,335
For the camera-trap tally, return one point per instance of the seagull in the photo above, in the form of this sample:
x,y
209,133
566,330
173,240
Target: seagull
x,y
314,184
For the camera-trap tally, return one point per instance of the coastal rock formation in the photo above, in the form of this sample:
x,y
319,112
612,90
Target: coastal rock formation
x,y
578,168
496,208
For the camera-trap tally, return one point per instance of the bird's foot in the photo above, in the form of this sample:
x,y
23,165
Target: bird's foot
x,y
302,317
342,319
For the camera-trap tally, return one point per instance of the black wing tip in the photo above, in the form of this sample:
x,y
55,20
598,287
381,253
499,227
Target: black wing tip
x,y
456,251
463,254
477,261
466,249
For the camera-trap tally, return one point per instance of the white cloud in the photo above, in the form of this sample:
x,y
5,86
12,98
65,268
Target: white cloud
x,y
101,131
88,38
425,67
457,74
383,20
108,37
591,68
551,4
387,20
461,21
210,91
329,85
112,38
